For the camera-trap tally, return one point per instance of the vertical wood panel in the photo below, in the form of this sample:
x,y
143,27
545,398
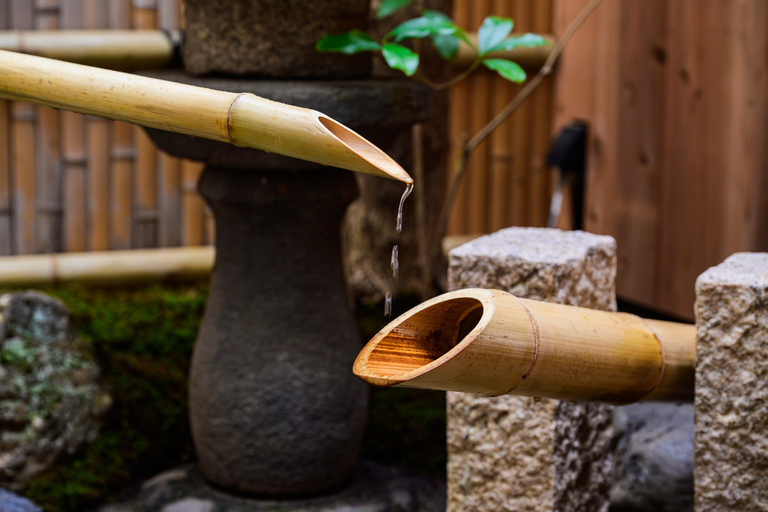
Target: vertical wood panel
x,y
5,133
193,230
23,152
48,161
146,207
458,131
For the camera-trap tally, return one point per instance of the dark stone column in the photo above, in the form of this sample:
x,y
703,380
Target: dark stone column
x,y
275,408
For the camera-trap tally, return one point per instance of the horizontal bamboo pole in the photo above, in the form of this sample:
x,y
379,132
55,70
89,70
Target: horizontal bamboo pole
x,y
108,268
240,119
529,58
492,343
125,50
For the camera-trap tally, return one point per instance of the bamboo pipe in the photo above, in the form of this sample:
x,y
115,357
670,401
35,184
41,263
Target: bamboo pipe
x,y
527,57
492,343
125,50
108,268
240,119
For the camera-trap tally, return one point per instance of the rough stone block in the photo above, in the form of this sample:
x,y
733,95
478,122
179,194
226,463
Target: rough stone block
x,y
513,453
731,439
273,38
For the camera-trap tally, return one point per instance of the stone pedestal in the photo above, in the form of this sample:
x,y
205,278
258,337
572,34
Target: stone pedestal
x,y
514,453
731,403
275,408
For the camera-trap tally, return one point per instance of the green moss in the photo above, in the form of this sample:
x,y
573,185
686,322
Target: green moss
x,y
142,339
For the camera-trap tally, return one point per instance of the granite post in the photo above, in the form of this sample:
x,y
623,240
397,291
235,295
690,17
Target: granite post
x,y
731,403
515,453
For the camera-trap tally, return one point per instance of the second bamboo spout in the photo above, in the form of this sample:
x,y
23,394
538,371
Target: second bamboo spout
x,y
240,119
492,343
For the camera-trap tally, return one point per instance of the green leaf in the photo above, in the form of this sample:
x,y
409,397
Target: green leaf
x,y
354,41
446,45
527,40
431,23
400,57
507,69
387,7
492,32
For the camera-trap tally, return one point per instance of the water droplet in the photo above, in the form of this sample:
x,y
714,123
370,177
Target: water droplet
x,y
408,190
394,262
388,305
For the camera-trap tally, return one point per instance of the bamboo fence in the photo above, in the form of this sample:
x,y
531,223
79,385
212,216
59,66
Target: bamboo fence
x,y
75,183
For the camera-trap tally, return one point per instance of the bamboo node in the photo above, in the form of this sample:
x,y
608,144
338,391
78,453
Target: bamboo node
x,y
231,109
663,365
535,327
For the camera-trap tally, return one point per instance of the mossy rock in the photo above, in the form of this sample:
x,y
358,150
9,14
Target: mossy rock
x,y
142,338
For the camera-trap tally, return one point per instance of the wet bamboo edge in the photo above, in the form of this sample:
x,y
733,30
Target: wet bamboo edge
x,y
241,119
492,343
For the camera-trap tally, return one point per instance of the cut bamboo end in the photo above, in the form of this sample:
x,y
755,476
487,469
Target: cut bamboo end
x,y
240,119
491,343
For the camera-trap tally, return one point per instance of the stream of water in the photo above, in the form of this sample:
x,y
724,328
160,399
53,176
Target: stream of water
x,y
394,261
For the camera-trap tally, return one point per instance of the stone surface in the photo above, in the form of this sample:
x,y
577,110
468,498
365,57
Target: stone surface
x,y
51,401
380,110
272,38
274,406
731,441
9,502
513,453
371,488
653,458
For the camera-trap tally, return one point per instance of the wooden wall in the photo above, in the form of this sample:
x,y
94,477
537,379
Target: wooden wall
x,y
506,182
676,98
78,183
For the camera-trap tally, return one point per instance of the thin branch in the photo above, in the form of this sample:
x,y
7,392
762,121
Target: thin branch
x,y
453,81
461,164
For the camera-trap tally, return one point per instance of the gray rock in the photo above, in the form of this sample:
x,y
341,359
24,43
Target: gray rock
x,y
51,401
653,458
731,441
9,502
274,38
371,488
513,453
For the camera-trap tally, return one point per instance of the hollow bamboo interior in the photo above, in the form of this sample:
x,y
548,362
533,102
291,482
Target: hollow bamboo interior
x,y
125,50
492,343
240,119
108,268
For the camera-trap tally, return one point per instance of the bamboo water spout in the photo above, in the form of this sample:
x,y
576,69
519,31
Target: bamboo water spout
x,y
492,343
240,119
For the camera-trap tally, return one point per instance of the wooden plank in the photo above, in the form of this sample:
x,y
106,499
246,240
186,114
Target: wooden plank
x,y
539,186
23,177
458,130
479,115
73,154
170,201
122,155
145,230
22,170
96,16
48,168
193,229
517,185
5,185
636,214
168,14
